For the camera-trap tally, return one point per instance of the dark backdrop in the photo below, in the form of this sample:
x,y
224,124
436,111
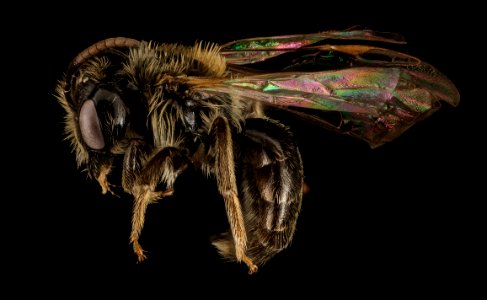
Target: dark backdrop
x,y
386,221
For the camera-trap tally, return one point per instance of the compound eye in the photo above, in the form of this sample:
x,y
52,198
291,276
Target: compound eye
x,y
90,126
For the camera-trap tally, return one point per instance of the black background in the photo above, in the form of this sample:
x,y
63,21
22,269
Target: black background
x,y
390,221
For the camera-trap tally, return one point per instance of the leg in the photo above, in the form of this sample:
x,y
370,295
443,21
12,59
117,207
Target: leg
x,y
98,168
272,187
164,167
104,170
134,158
227,186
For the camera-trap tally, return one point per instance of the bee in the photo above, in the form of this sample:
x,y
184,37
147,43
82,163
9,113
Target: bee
x,y
155,109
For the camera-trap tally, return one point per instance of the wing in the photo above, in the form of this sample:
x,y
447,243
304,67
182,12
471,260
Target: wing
x,y
377,93
253,50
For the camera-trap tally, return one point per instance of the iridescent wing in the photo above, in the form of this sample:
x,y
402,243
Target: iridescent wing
x,y
377,92
253,50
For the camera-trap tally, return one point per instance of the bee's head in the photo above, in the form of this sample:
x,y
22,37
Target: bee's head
x,y
94,99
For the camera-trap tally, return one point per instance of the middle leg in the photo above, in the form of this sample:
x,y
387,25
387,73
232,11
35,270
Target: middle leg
x,y
164,167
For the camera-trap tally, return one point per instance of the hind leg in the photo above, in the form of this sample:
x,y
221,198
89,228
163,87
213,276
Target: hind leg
x,y
224,160
271,189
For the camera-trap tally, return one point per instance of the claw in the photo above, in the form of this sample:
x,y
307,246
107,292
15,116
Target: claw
x,y
105,185
252,267
139,252
165,193
108,189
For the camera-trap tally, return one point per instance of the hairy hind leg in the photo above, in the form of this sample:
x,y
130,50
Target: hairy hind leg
x,y
271,187
223,151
